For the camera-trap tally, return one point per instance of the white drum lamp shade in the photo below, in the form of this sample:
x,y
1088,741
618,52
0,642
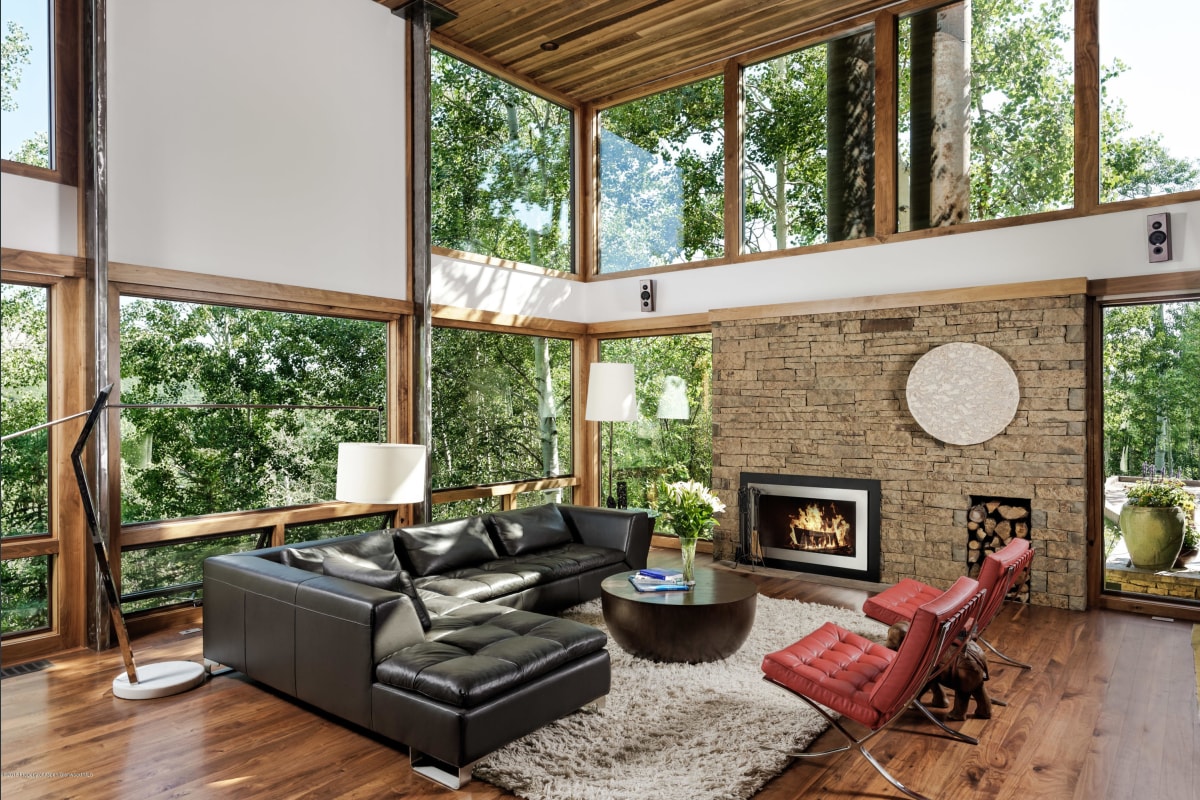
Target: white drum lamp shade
x,y
673,402
381,474
611,396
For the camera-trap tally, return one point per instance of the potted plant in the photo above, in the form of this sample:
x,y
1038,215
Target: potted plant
x,y
1158,518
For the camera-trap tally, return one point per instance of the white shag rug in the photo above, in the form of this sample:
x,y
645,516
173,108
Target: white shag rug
x,y
713,731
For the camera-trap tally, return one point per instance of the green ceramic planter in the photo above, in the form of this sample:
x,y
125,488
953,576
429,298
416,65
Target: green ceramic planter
x,y
1154,536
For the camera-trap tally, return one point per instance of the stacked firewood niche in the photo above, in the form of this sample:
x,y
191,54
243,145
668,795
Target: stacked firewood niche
x,y
991,524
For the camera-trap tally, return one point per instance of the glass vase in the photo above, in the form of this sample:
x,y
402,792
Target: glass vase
x,y
687,549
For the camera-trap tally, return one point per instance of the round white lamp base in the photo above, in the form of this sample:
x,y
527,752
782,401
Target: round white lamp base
x,y
159,680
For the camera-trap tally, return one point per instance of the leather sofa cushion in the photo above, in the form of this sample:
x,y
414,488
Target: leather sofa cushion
x,y
377,548
526,529
504,576
361,571
493,651
440,547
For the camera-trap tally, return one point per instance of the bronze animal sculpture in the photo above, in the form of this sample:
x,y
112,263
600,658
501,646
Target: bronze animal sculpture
x,y
965,675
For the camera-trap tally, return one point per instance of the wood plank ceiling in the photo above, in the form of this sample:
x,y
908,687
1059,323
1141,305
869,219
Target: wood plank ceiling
x,y
608,48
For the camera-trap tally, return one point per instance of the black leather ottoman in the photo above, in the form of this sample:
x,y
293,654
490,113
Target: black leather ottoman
x,y
493,675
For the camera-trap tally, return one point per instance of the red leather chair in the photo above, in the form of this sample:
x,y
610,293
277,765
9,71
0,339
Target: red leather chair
x,y
832,668
998,574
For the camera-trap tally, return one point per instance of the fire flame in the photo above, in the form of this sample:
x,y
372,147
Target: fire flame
x,y
810,529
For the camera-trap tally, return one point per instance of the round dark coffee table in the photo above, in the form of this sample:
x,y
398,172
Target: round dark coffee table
x,y
707,623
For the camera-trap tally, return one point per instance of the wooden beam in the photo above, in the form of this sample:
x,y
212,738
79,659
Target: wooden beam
x,y
886,131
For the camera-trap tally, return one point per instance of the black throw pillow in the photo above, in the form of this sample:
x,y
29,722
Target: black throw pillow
x,y
370,574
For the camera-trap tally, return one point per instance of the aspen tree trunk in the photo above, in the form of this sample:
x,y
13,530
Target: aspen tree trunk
x,y
850,130
950,185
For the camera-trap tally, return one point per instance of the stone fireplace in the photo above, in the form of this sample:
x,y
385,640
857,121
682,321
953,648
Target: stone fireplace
x,y
826,526
801,390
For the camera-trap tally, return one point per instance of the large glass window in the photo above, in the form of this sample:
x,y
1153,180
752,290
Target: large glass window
x,y
986,111
24,403
500,172
25,594
809,169
1148,121
26,108
501,407
662,178
672,439
180,462
26,581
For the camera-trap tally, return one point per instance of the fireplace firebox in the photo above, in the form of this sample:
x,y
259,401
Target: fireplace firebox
x,y
821,525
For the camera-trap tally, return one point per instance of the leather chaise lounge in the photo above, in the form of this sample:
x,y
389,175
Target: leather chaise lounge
x,y
436,636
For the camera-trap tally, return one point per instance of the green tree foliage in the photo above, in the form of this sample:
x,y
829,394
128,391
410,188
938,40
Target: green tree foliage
x,y
652,449
34,151
1022,107
24,461
14,57
500,168
1022,117
179,463
24,403
501,408
662,180
785,151
1152,388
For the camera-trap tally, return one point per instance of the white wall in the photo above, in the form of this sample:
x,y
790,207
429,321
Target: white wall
x,y
1102,246
38,215
260,139
505,290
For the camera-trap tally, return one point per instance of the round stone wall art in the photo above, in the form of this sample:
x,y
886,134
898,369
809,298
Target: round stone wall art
x,y
962,393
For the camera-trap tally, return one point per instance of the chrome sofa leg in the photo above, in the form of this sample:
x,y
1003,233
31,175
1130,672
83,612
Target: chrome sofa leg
x,y
597,704
214,668
439,772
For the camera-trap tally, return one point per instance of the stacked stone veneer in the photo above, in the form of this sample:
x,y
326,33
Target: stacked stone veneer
x,y
823,394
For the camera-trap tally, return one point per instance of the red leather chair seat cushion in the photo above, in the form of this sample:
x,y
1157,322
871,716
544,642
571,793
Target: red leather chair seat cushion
x,y
834,667
900,602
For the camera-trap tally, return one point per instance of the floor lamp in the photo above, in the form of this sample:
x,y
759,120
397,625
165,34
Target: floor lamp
x,y
383,474
135,683
611,398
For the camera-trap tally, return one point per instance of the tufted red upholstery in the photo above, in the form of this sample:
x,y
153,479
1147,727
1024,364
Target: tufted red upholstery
x,y
865,681
899,602
998,574
835,667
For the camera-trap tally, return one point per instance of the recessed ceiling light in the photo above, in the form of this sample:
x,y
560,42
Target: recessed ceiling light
x,y
548,46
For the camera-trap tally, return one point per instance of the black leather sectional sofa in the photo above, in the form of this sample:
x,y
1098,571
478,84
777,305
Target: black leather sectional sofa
x,y
436,636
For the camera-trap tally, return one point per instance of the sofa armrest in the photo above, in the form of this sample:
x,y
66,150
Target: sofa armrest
x,y
343,629
312,636
250,616
627,531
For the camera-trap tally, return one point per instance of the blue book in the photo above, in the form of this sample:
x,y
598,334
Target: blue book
x,y
661,574
665,586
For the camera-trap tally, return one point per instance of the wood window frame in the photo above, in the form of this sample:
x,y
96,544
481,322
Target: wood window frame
x,y
66,24
67,541
581,454
1163,288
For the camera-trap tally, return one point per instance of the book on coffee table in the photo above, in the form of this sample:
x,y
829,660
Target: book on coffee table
x,y
662,574
650,585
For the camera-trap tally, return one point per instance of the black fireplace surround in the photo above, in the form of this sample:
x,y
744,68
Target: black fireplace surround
x,y
806,523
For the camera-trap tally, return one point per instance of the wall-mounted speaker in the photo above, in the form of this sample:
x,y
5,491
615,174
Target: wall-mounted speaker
x,y
1158,236
646,294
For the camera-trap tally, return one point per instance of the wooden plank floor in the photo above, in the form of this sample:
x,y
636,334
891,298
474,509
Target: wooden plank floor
x,y
1109,711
